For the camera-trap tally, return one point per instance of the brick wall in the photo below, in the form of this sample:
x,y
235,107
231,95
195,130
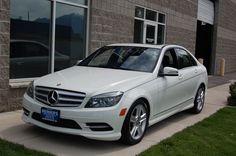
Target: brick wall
x,y
180,36
15,98
181,6
113,21
226,34
4,54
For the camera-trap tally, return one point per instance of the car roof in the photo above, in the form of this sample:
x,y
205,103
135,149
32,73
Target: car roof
x,y
138,45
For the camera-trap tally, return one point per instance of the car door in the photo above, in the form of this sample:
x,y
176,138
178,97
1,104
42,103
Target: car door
x,y
170,89
188,75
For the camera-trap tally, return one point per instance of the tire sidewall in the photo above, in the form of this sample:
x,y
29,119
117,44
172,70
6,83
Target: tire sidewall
x,y
126,137
196,110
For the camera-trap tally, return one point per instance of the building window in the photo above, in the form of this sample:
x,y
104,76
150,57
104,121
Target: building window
x,y
83,2
35,27
139,12
149,26
70,39
138,31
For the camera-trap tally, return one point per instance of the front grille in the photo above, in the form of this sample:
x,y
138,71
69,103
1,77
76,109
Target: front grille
x,y
65,98
63,123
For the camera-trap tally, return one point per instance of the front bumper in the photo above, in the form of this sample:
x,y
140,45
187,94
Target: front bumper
x,y
81,116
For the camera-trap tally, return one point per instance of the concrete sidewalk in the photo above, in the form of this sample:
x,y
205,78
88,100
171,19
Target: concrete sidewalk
x,y
13,129
214,81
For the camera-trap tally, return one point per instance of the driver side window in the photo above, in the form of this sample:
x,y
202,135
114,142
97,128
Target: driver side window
x,y
169,59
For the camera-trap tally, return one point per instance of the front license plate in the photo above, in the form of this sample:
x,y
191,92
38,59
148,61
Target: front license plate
x,y
50,114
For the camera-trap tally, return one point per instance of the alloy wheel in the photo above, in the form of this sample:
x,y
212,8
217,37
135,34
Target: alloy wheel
x,y
138,122
200,99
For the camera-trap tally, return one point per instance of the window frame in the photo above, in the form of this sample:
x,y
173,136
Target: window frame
x,y
145,21
52,35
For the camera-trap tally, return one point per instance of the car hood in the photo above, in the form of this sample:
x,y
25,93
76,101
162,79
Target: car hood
x,y
94,81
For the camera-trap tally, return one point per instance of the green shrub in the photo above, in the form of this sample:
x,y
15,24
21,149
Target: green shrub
x,y
232,98
232,90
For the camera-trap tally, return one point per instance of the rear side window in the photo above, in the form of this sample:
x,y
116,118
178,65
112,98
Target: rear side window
x,y
184,59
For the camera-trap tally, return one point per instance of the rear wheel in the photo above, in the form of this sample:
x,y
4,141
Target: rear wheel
x,y
199,101
135,124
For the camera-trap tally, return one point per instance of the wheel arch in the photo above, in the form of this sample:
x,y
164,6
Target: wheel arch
x,y
147,104
202,85
124,132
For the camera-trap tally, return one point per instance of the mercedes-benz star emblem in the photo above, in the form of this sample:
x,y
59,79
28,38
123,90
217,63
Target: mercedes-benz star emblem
x,y
52,97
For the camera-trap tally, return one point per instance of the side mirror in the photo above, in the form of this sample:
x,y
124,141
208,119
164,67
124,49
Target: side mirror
x,y
168,71
77,63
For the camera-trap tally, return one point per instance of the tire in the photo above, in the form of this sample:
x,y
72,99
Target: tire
x,y
199,101
135,123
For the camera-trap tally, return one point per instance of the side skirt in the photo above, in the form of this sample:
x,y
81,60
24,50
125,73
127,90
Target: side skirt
x,y
179,108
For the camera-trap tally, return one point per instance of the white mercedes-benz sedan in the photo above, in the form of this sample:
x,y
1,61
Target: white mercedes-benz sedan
x,y
117,92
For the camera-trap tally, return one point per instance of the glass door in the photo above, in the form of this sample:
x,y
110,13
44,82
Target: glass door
x,y
150,33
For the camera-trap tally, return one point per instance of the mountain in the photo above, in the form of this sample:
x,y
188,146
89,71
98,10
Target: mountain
x,y
75,21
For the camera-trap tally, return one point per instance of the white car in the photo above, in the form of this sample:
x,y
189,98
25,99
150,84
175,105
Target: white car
x,y
117,92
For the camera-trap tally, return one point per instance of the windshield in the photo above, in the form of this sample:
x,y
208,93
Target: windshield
x,y
124,58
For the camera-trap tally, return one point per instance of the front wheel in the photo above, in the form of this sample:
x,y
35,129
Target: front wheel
x,y
199,101
135,124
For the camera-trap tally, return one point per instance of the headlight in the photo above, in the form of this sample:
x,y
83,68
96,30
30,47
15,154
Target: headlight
x,y
30,90
104,100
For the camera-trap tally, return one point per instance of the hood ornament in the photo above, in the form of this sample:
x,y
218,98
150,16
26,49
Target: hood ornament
x,y
53,97
58,84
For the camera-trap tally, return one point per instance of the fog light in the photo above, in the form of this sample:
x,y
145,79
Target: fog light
x,y
26,112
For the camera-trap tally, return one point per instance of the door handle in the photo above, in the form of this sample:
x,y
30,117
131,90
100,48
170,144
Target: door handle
x,y
181,76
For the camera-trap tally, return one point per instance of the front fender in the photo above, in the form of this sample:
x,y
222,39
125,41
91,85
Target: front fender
x,y
142,92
